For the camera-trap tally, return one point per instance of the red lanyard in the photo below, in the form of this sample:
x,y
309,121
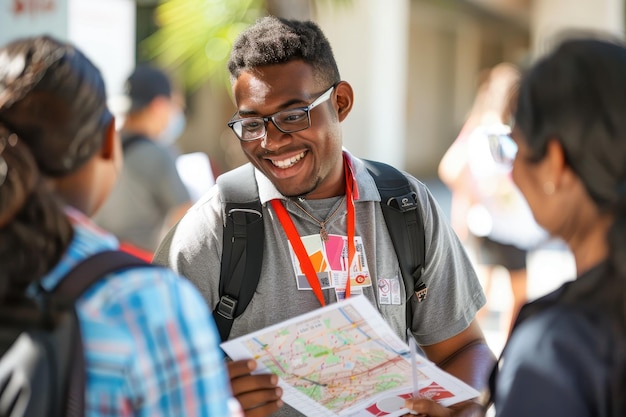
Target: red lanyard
x,y
350,221
298,246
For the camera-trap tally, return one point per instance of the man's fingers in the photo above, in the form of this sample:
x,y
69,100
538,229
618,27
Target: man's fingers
x,y
264,410
240,368
252,383
427,407
258,394
261,403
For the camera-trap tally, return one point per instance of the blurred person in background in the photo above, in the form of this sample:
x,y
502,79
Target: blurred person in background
x,y
150,196
150,343
488,212
195,168
567,352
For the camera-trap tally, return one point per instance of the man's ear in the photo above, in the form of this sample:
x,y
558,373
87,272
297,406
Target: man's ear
x,y
109,141
345,99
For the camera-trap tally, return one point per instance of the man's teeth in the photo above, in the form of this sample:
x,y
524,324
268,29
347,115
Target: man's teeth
x,y
286,163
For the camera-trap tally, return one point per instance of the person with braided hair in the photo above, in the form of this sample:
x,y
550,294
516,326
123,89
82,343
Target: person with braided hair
x,y
150,344
567,352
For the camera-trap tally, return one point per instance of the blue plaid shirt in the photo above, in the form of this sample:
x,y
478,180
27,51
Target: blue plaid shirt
x,y
151,346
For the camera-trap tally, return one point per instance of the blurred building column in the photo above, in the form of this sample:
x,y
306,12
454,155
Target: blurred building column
x,y
103,30
550,17
370,41
389,25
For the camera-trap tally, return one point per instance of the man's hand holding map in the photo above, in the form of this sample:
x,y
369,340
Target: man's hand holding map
x,y
344,360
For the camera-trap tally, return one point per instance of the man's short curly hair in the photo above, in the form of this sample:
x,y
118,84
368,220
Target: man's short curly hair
x,y
273,40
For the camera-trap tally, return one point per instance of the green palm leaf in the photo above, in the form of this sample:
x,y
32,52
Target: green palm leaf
x,y
195,37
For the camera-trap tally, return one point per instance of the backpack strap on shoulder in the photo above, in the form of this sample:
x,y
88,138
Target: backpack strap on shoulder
x,y
242,246
71,287
130,141
404,221
91,269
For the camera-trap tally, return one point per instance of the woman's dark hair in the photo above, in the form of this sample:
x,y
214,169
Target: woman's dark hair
x,y
577,94
53,116
275,40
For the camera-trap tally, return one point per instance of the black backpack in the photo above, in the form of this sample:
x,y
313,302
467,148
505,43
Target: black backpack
x,y
42,370
242,252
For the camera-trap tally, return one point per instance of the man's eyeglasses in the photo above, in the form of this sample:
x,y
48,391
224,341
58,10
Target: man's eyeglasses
x,y
503,147
287,121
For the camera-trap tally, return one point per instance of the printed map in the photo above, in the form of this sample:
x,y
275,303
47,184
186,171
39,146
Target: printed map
x,y
336,359
345,360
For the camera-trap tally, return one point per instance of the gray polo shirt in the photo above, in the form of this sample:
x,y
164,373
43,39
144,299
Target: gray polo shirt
x,y
193,248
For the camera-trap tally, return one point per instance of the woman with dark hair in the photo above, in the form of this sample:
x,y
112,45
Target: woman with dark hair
x,y
566,354
150,343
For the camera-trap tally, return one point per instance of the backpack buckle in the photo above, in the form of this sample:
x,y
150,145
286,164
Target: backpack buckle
x,y
421,292
226,307
404,202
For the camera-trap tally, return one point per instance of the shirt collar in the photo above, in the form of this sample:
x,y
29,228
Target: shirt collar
x,y
586,287
88,239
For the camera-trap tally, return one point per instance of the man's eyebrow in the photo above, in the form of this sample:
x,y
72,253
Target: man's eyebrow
x,y
290,103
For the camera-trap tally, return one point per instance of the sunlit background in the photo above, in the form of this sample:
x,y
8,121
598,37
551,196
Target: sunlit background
x,y
414,66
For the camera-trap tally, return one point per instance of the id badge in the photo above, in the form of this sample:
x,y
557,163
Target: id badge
x,y
389,292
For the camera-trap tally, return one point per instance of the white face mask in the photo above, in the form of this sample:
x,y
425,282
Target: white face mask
x,y
174,128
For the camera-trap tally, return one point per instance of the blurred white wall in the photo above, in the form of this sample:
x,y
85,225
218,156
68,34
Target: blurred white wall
x,y
549,17
414,65
369,40
103,29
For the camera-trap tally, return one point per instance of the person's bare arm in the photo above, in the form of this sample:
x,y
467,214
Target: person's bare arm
x,y
467,357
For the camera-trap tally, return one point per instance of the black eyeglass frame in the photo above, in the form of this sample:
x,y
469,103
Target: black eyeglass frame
x,y
266,119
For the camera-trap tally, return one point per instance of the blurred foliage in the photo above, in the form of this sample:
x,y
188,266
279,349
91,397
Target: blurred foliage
x,y
194,37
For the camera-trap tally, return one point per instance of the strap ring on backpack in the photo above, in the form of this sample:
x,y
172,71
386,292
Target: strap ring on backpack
x,y
226,307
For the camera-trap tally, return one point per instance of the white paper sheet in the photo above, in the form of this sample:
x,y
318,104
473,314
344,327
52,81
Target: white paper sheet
x,y
344,360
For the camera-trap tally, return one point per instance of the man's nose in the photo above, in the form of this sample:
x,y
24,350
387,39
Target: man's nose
x,y
274,139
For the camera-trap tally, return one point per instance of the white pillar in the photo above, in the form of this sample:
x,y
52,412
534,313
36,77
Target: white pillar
x,y
387,58
549,17
103,30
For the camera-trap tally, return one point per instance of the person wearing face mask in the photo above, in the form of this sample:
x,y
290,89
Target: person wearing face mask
x,y
194,168
150,195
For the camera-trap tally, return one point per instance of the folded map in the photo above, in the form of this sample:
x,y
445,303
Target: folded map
x,y
344,360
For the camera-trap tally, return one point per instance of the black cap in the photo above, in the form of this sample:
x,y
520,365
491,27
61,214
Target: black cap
x,y
144,85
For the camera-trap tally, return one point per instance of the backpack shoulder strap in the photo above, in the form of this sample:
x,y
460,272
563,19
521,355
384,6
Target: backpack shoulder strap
x,y
91,270
132,140
404,221
242,247
72,286
242,252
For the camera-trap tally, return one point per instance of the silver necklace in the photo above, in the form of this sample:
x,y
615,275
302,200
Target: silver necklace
x,y
321,223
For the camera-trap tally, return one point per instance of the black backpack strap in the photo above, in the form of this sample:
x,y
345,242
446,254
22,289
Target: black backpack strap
x,y
71,287
242,247
90,270
404,221
242,251
132,140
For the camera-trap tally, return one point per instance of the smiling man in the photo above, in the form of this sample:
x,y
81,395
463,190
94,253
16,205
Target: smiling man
x,y
290,102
